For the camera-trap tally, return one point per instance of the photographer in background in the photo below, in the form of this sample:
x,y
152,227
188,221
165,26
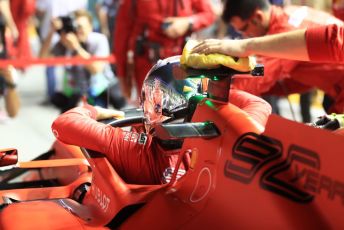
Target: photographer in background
x,y
93,80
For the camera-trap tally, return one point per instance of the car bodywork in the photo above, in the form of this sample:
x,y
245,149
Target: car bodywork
x,y
289,176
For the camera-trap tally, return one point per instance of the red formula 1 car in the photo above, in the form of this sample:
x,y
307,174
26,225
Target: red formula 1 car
x,y
288,177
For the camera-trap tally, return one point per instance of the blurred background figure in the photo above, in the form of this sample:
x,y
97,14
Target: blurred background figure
x,y
8,75
214,30
277,2
46,11
8,92
146,31
22,12
7,19
92,80
107,12
272,99
49,9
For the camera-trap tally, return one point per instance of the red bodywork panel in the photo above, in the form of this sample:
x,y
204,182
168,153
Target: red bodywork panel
x,y
288,177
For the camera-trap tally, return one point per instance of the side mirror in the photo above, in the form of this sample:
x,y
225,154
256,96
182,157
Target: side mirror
x,y
8,157
186,130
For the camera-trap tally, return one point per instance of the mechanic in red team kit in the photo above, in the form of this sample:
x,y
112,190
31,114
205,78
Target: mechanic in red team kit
x,y
149,30
283,77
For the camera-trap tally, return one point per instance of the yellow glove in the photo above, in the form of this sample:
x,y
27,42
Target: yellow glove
x,y
212,61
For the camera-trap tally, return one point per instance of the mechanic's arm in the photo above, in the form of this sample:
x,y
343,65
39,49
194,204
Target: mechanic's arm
x,y
79,127
289,45
12,102
320,44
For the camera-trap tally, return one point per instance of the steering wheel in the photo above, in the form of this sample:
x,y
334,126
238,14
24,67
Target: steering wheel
x,y
132,117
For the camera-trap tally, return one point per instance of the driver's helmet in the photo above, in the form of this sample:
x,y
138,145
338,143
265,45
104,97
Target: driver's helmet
x,y
163,93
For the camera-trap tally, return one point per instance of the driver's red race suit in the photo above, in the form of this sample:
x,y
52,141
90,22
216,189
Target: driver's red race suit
x,y
137,157
298,76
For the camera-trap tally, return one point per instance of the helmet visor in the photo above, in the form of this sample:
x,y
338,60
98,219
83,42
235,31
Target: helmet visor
x,y
163,93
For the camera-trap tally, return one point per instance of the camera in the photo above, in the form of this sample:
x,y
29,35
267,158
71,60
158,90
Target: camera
x,y
68,25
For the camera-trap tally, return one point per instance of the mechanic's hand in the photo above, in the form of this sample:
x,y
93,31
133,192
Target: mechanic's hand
x,y
234,48
178,27
70,41
103,113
